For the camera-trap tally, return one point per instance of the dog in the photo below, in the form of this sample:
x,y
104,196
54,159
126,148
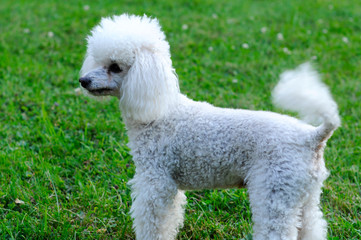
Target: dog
x,y
179,144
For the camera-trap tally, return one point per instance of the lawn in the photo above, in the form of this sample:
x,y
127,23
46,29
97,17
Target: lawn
x,y
64,162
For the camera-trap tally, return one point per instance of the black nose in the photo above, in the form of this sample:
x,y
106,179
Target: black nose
x,y
85,81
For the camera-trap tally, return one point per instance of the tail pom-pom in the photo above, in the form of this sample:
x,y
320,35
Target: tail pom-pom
x,y
302,91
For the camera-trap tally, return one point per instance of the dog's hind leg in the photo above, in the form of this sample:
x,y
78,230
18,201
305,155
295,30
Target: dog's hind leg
x,y
313,224
157,208
276,198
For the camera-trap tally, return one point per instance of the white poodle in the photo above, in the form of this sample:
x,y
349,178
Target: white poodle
x,y
179,144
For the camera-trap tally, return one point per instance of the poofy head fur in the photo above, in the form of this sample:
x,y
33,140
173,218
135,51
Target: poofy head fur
x,y
128,57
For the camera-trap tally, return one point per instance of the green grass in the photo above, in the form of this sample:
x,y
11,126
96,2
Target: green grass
x,y
65,156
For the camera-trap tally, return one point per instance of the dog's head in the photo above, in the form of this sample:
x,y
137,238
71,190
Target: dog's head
x,y
128,57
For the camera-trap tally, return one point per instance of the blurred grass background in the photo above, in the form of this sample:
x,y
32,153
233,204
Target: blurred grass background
x,y
64,163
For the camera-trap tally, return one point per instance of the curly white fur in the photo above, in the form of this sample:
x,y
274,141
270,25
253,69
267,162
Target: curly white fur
x,y
302,91
179,144
152,86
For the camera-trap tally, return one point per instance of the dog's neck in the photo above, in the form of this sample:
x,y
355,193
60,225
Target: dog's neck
x,y
136,117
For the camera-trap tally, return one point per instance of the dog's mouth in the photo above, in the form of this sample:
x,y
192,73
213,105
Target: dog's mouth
x,y
101,91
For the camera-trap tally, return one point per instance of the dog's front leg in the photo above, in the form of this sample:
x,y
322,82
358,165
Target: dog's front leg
x,y
157,208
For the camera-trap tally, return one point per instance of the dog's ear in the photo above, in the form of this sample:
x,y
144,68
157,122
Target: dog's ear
x,y
151,87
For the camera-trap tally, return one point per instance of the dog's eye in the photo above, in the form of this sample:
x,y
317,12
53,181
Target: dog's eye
x,y
114,68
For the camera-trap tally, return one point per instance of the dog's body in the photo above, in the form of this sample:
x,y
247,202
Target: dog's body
x,y
179,144
208,147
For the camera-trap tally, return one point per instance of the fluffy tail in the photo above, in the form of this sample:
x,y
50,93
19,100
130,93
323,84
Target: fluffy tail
x,y
302,91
